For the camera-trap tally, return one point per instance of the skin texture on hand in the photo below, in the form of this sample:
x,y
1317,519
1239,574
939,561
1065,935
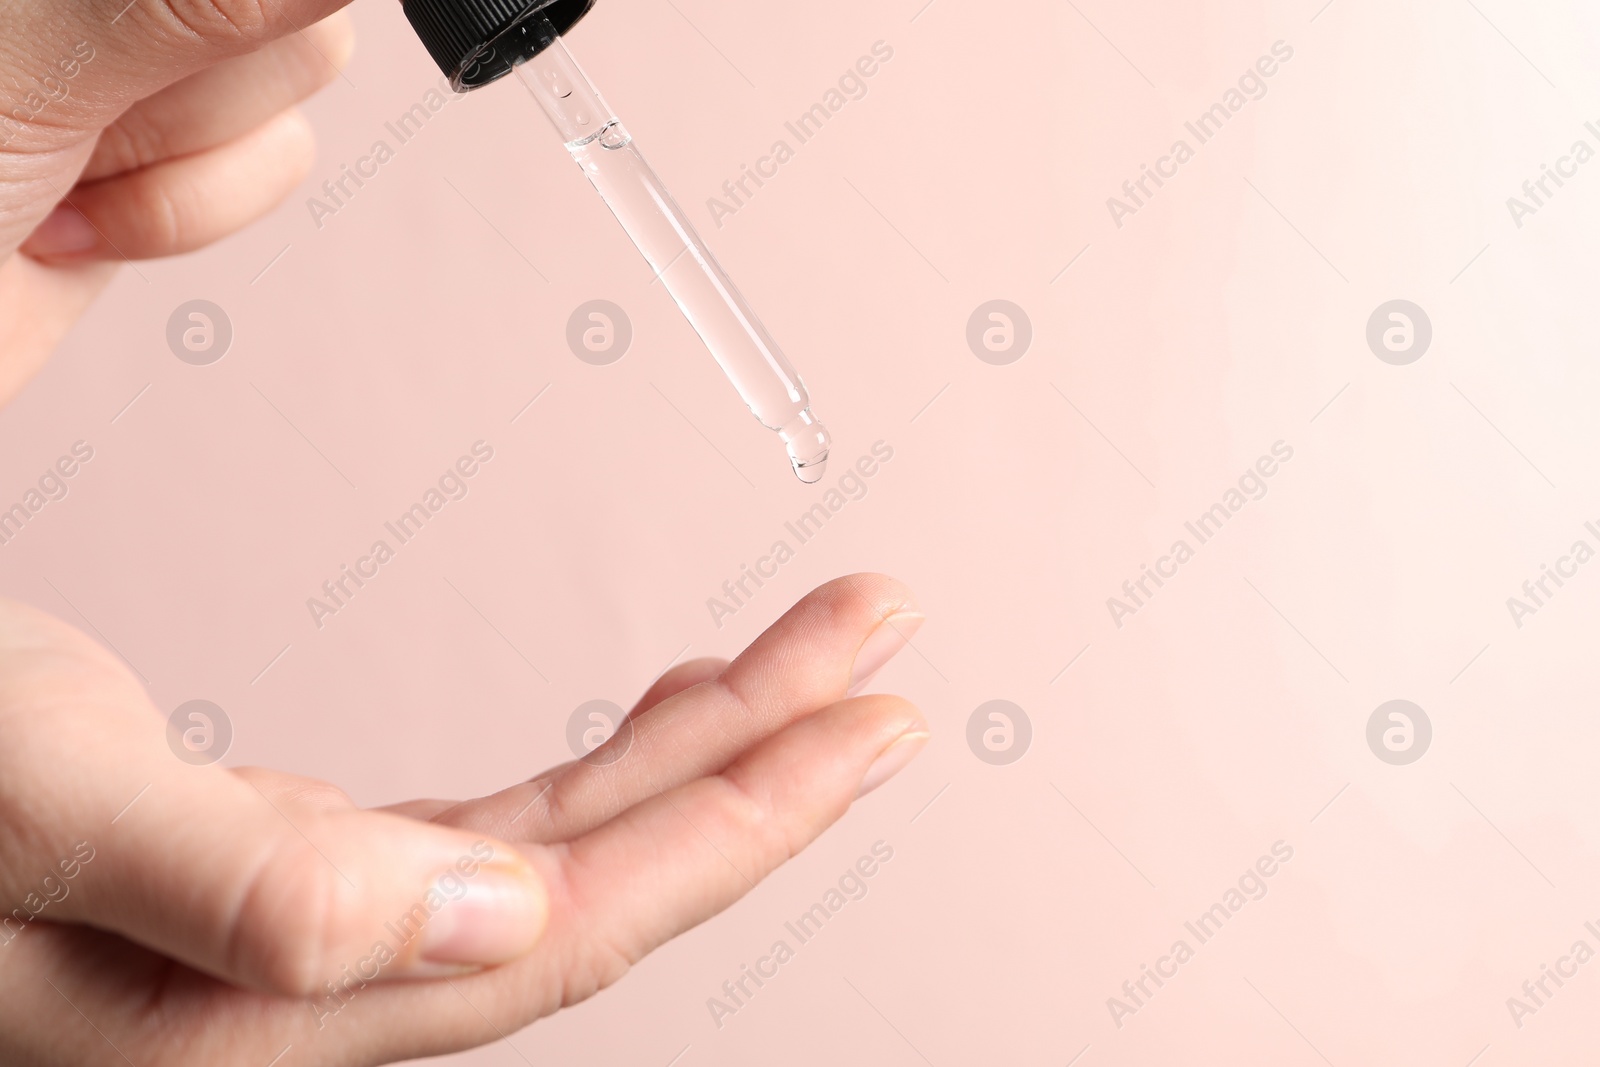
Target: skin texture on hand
x,y
215,916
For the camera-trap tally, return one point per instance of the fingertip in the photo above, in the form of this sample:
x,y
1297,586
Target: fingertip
x,y
892,760
688,674
824,646
883,718
335,38
883,644
488,917
891,728
878,593
701,666
292,133
244,179
856,607
862,741
66,233
287,146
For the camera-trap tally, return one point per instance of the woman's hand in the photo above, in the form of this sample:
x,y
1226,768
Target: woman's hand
x,y
183,914
142,129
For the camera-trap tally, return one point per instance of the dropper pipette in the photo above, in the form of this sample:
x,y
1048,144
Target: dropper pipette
x,y
531,45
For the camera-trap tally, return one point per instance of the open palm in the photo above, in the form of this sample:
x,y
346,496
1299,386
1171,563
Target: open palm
x,y
225,915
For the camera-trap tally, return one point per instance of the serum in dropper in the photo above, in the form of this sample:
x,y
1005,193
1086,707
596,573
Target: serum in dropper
x,y
476,42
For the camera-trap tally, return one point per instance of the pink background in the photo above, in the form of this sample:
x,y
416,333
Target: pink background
x,y
1220,319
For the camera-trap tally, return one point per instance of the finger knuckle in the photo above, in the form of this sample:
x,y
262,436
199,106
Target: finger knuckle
x,y
745,816
159,216
311,795
245,22
552,807
130,143
286,921
331,42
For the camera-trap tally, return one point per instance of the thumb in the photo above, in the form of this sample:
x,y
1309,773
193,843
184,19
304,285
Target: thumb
x,y
102,824
217,875
223,877
72,68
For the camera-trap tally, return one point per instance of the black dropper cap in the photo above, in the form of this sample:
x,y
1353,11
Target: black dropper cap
x,y
476,42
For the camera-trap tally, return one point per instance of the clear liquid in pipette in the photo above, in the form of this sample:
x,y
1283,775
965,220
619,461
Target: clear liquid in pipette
x,y
682,262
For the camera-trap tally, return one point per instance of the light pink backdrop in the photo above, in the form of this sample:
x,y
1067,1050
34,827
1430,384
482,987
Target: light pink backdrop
x,y
1223,317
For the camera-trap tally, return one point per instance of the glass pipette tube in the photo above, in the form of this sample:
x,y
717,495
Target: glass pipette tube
x,y
741,345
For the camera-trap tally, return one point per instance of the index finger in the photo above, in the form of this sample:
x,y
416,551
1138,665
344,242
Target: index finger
x,y
821,649
83,64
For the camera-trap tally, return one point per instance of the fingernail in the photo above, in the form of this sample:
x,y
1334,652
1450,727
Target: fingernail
x,y
497,917
63,232
882,645
892,760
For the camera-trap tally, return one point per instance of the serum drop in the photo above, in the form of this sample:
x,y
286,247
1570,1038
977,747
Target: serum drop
x,y
476,42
